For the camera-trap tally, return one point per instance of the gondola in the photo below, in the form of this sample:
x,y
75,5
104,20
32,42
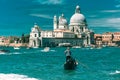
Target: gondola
x,y
70,64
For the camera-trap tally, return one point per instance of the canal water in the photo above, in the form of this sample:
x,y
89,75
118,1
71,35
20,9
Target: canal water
x,y
35,64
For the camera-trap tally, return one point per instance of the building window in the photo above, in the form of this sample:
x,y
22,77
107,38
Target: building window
x,y
39,35
35,35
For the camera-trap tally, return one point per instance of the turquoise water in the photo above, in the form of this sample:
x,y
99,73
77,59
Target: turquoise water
x,y
34,64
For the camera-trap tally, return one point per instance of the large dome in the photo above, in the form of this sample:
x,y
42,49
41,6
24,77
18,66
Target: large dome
x,y
77,19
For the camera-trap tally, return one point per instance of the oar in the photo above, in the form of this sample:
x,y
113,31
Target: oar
x,y
84,65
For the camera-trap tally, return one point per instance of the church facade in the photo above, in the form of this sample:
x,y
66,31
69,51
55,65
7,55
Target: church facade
x,y
76,33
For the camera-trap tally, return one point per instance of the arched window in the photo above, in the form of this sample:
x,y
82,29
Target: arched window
x,y
35,35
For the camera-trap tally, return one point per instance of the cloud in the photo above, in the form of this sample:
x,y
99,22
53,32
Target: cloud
x,y
118,4
42,16
114,20
105,18
105,22
110,11
93,16
50,1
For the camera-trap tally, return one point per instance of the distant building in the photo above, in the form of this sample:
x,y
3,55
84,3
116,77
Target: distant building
x,y
4,41
116,36
75,34
108,38
98,40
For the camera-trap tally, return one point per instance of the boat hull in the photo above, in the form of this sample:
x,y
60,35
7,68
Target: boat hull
x,y
70,64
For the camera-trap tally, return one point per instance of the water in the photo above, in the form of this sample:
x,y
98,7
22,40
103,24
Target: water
x,y
34,64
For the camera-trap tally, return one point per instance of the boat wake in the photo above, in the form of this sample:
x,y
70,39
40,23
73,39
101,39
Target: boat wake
x,y
116,72
16,53
15,77
2,53
10,53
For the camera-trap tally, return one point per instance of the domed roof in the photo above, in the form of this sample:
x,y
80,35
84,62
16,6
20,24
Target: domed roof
x,y
62,20
77,18
36,28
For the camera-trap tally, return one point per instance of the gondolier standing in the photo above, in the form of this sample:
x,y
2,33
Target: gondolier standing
x,y
68,53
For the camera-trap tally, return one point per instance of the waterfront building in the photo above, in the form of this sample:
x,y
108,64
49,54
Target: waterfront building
x,y
98,40
4,41
107,38
75,34
116,36
35,36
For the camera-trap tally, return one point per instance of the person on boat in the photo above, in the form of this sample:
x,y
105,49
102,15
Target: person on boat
x,y
68,53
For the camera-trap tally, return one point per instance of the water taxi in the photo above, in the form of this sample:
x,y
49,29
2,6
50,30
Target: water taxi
x,y
16,47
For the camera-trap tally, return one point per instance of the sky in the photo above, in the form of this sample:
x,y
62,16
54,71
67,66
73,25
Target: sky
x,y
19,16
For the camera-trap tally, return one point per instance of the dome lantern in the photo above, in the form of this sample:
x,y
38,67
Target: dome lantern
x,y
77,10
77,18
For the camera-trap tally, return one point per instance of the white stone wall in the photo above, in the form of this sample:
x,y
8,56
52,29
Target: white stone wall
x,y
47,34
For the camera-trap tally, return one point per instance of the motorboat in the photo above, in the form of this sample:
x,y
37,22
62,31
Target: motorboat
x,y
64,45
16,48
76,47
35,47
70,64
46,49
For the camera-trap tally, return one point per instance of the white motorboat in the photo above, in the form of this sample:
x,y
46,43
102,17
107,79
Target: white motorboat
x,y
76,47
46,49
16,47
35,47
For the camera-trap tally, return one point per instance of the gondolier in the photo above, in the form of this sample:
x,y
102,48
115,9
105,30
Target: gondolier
x,y
68,53
70,63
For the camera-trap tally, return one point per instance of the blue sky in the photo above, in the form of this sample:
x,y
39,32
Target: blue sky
x,y
17,17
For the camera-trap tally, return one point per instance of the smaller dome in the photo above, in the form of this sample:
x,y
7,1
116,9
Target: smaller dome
x,y
62,20
35,25
36,28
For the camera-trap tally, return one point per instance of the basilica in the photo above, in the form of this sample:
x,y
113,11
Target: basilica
x,y
75,33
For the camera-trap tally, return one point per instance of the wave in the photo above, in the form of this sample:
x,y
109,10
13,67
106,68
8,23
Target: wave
x,y
15,77
16,53
2,53
116,72
53,50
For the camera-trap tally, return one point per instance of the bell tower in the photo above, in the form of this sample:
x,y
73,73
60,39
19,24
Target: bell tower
x,y
55,22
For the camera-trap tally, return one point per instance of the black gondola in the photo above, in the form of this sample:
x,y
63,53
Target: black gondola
x,y
70,64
